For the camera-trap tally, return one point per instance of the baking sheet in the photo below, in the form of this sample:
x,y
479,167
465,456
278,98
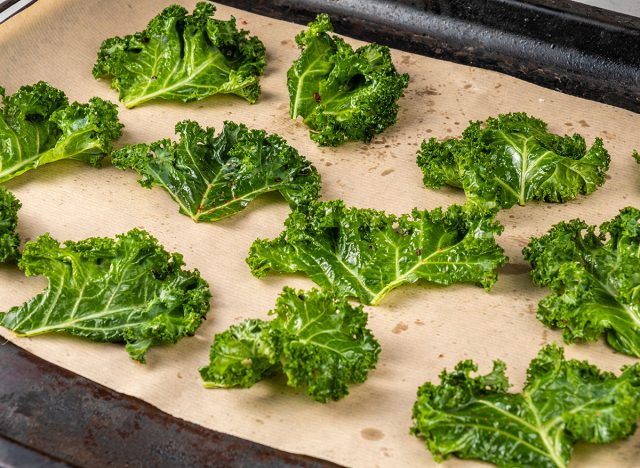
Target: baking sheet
x,y
422,329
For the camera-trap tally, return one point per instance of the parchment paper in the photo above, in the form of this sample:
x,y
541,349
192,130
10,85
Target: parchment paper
x,y
422,329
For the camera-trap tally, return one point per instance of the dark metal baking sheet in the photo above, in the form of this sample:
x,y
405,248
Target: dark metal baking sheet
x,y
52,417
9,8
559,44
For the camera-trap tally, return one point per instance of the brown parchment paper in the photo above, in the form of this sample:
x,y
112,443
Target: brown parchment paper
x,y
422,329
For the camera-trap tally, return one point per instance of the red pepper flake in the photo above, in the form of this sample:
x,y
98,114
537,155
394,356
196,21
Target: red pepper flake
x,y
317,97
418,252
199,208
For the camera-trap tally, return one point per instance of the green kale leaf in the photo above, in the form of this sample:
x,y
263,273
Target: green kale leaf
x,y
594,278
9,239
320,342
342,94
365,253
562,403
514,159
182,57
243,355
212,177
39,126
124,290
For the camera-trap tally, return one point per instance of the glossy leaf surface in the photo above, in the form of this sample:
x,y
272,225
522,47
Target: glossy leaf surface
x,y
212,177
39,126
366,253
563,402
514,159
320,342
183,57
342,94
594,276
124,290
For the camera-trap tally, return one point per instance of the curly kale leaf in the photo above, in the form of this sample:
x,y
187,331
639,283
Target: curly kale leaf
x,y
124,290
365,253
514,159
342,94
320,342
9,239
212,177
39,126
594,278
562,403
243,355
182,57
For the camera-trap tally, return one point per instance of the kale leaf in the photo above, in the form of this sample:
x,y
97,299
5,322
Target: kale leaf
x,y
514,159
39,126
9,239
595,279
182,57
365,253
124,290
562,403
342,94
212,177
320,342
243,355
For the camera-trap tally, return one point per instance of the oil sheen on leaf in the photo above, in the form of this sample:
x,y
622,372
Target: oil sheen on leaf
x,y
124,290
342,94
39,126
320,342
365,253
182,57
594,277
514,159
562,403
212,177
